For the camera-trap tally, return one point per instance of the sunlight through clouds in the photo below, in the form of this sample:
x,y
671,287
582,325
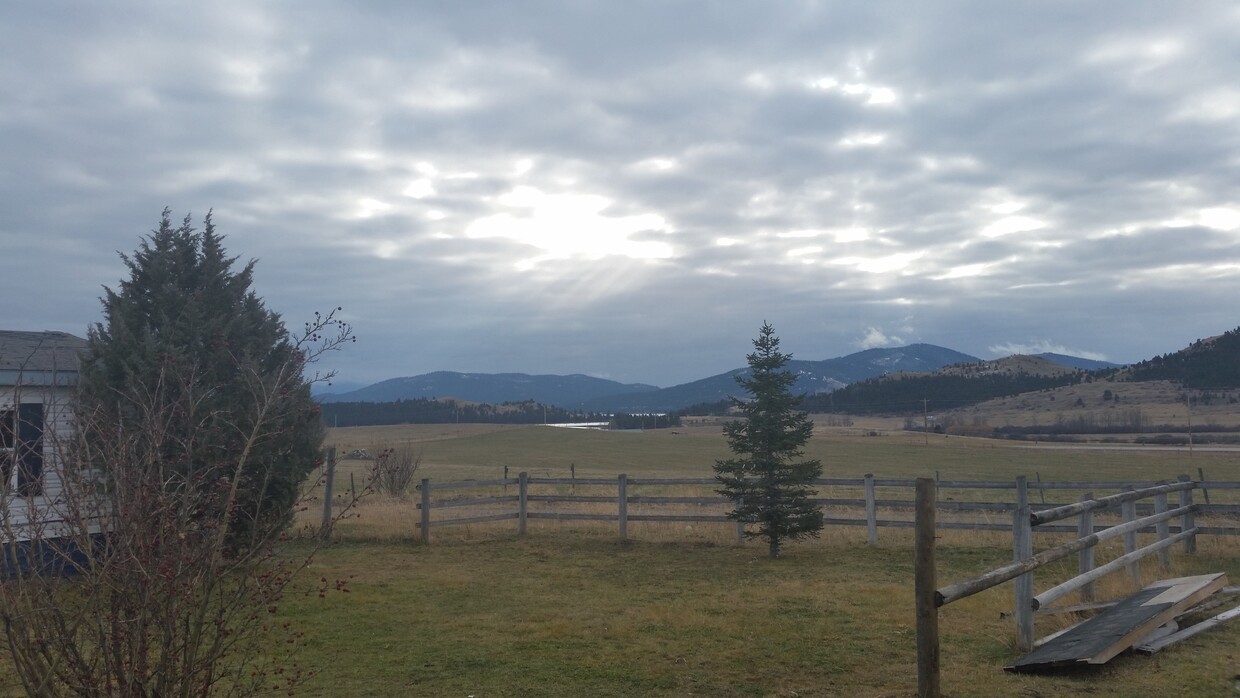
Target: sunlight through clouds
x,y
867,93
655,165
368,208
861,140
419,189
881,265
565,226
1012,224
964,271
1220,218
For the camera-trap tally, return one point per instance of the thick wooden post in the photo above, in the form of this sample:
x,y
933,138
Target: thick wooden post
x,y
325,530
1164,530
425,518
523,494
1187,522
1022,549
1085,558
924,588
623,500
871,510
1129,513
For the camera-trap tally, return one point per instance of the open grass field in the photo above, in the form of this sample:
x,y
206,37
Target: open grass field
x,y
569,610
482,452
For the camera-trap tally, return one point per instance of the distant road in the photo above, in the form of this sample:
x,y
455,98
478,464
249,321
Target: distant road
x,y
1128,447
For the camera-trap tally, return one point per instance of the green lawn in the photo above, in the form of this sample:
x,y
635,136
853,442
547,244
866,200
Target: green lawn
x,y
563,613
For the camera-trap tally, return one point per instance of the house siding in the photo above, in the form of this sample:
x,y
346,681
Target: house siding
x,y
46,507
39,368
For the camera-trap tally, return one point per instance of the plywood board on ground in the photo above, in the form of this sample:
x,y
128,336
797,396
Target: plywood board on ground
x,y
1102,637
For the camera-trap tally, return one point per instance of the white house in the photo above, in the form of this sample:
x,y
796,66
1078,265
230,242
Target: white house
x,y
38,375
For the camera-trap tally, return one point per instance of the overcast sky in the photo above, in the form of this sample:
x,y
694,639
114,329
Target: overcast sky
x,y
628,189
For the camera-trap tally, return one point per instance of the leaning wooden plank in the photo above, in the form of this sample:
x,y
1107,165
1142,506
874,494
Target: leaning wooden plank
x,y
1164,643
1102,637
1224,597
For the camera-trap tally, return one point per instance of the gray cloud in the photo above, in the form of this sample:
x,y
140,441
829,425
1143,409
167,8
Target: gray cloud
x,y
630,190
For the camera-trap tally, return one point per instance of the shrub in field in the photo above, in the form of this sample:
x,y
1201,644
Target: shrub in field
x,y
393,469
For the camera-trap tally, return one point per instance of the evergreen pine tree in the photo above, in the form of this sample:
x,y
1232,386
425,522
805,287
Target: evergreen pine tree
x,y
185,331
767,481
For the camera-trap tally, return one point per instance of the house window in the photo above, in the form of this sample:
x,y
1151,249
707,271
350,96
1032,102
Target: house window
x,y
8,447
21,449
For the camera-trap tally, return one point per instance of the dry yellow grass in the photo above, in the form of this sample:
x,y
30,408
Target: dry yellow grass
x,y
1160,402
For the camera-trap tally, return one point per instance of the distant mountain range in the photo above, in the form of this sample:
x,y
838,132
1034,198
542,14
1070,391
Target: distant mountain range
x,y
813,377
586,393
892,380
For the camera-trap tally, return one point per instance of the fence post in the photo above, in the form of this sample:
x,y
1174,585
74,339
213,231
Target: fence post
x,y
325,530
740,525
1085,559
1129,512
1164,530
1022,549
425,518
1201,477
871,510
1187,521
924,589
523,493
623,500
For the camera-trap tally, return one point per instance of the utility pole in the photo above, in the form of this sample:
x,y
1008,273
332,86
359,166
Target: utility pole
x,y
1188,408
925,419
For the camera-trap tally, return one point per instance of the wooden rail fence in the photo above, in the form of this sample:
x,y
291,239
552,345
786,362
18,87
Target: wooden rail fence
x,y
548,494
1028,519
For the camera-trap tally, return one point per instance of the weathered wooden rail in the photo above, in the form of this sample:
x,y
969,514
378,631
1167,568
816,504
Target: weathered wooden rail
x,y
541,491
1026,520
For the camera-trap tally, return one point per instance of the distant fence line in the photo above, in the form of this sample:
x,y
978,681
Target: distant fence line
x,y
867,506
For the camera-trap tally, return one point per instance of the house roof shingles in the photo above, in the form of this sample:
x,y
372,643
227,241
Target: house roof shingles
x,y
39,358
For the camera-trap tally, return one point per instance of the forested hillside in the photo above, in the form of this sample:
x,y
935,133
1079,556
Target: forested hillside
x,y
909,394
1207,363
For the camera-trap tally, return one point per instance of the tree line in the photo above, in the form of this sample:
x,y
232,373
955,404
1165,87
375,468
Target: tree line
x,y
437,411
909,394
